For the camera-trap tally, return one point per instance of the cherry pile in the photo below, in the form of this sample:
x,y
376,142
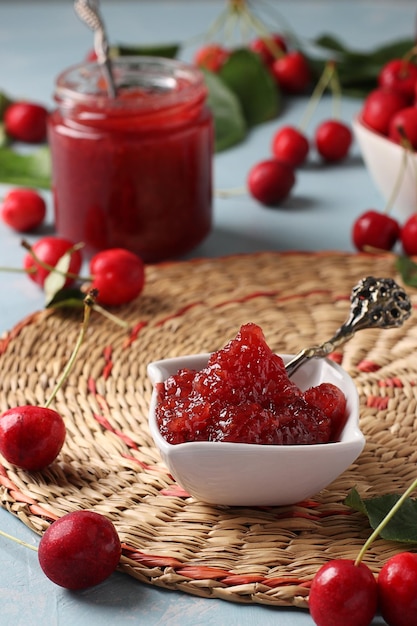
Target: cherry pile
x,y
345,592
390,110
116,275
392,105
289,68
82,548
271,180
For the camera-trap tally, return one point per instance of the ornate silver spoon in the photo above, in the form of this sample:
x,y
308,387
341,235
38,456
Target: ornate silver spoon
x,y
88,11
375,303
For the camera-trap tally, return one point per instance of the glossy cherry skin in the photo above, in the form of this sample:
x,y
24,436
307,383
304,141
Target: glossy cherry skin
x,y
23,209
376,230
400,76
333,140
270,181
397,590
292,73
404,125
79,550
118,275
211,57
379,107
260,46
343,594
50,250
409,236
26,121
290,145
31,437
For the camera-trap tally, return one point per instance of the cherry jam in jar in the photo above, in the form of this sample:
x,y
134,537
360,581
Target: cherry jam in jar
x,y
134,171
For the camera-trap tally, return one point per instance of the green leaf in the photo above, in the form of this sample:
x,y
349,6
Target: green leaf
x,y
392,50
31,170
4,139
331,43
403,525
354,500
68,297
229,123
358,70
169,51
408,270
5,101
245,74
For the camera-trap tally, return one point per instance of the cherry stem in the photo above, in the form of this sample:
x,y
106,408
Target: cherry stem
x,y
226,193
385,521
239,11
18,270
51,268
110,316
89,303
19,541
410,54
321,85
336,93
259,27
407,148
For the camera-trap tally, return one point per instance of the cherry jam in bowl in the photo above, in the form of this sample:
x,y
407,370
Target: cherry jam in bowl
x,y
255,474
387,166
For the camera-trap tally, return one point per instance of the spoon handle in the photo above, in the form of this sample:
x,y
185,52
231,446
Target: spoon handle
x,y
375,303
88,11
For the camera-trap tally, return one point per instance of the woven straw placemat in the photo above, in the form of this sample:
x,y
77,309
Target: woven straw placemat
x,y
109,462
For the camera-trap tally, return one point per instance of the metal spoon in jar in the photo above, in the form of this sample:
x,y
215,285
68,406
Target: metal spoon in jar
x,y
89,12
375,303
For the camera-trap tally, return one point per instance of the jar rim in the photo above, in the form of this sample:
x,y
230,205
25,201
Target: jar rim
x,y
153,82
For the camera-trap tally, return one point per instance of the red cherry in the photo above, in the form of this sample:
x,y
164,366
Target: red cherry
x,y
270,181
23,209
260,46
289,145
50,250
79,550
404,123
343,594
376,230
31,437
409,236
211,57
26,121
379,107
333,140
400,76
118,275
397,584
292,73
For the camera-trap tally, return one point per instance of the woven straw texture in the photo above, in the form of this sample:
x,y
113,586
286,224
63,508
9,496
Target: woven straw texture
x,y
109,462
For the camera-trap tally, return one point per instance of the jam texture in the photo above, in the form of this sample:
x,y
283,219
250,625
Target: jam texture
x,y
244,395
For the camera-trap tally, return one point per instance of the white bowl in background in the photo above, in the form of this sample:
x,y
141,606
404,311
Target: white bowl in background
x,y
242,474
384,160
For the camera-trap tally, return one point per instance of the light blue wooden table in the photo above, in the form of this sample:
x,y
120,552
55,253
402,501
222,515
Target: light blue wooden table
x,y
40,38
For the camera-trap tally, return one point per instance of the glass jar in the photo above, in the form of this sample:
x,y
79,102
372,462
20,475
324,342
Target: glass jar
x,y
134,171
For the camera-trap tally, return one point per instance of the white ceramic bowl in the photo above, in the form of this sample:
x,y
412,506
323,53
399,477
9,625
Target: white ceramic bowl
x,y
242,474
384,160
